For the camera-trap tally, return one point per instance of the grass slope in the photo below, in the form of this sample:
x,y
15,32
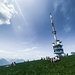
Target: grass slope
x,y
42,67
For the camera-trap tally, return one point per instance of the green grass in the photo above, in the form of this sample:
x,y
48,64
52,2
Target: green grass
x,y
42,67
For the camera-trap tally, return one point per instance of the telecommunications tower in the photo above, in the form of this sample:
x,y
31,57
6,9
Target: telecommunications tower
x,y
57,46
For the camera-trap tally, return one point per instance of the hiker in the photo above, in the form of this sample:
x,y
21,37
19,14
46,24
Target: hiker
x,y
58,58
52,60
67,54
41,58
13,64
55,59
47,58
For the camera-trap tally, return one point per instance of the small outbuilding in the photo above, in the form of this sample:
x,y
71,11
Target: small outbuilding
x,y
72,53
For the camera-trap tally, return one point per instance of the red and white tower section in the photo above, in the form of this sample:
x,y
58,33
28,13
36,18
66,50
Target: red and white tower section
x,y
57,46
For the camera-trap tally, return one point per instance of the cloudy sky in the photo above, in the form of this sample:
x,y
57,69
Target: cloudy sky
x,y
26,31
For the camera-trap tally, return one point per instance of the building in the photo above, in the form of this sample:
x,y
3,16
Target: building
x,y
73,53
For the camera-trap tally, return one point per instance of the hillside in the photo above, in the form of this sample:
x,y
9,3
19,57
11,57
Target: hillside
x,y
42,67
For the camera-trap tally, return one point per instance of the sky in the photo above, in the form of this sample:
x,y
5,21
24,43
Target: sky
x,y
26,30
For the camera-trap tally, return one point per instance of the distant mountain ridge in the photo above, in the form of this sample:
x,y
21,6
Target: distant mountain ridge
x,y
16,60
3,62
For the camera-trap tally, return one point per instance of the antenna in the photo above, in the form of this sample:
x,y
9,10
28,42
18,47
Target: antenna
x,y
58,50
54,32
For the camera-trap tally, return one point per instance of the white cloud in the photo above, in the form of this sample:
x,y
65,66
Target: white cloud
x,y
28,49
6,11
67,28
34,48
6,52
56,4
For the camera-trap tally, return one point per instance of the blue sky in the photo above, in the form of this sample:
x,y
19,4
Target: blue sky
x,y
26,30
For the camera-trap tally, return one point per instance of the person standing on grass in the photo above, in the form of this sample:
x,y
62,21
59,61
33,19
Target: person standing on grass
x,y
51,60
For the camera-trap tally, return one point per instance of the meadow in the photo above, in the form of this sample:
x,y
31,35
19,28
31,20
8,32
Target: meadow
x,y
66,66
